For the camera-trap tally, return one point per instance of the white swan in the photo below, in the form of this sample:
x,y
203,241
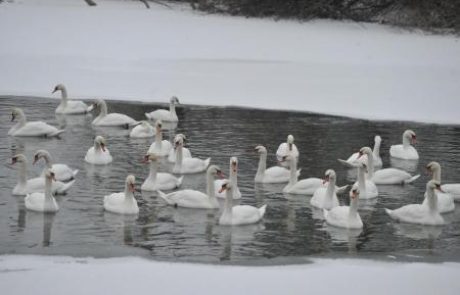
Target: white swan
x,y
233,177
43,202
35,128
445,199
275,174
185,151
285,149
143,130
112,119
240,214
62,172
386,175
37,184
188,165
376,153
165,115
346,216
160,147
405,150
427,214
69,106
124,202
326,197
306,186
98,154
367,188
159,181
195,199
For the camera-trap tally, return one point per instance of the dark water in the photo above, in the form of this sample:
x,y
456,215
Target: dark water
x,y
291,230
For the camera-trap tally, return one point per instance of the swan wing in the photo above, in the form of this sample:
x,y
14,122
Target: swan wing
x,y
37,128
245,214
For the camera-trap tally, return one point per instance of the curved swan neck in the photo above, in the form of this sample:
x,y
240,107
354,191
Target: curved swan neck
x,y
64,94
210,190
405,141
437,174
103,109
376,150
293,172
330,188
361,180
129,195
48,160
153,170
172,109
353,207
370,165
432,201
22,119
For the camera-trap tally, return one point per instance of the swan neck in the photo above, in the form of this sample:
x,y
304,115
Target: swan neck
x,y
129,195
103,109
370,165
432,201
376,150
178,164
353,207
234,177
405,142
158,138
48,160
64,94
330,189
437,174
22,120
172,109
262,165
153,170
361,180
293,172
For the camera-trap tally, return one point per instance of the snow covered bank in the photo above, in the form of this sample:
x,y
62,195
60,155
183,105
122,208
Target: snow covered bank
x,y
66,275
121,50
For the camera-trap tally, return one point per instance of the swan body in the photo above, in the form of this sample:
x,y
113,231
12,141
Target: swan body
x,y
185,151
38,184
188,165
445,199
160,147
159,181
69,106
143,130
426,214
124,202
346,216
285,149
165,115
98,154
62,172
452,189
42,202
105,119
240,214
36,128
405,150
275,174
302,187
326,197
367,188
233,175
195,199
376,153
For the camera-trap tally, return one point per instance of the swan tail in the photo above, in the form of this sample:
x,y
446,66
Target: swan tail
x,y
56,133
65,187
147,115
389,212
341,189
75,172
262,210
179,181
412,179
346,163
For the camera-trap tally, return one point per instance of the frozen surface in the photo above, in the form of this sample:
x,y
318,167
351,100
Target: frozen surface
x,y
66,275
121,50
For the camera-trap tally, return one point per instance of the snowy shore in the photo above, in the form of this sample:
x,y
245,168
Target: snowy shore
x,y
120,50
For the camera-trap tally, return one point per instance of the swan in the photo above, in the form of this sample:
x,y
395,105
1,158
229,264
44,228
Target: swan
x,y
326,197
386,175
159,181
376,153
98,154
426,214
160,147
367,188
143,130
43,202
165,115
452,188
275,174
346,216
35,128
69,106
445,200
188,165
111,119
195,199
37,184
233,177
285,149
62,172
405,150
240,214
123,202
185,151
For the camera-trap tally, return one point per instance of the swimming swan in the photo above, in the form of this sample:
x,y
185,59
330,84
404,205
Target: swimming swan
x,y
35,128
376,153
98,154
159,180
275,174
326,197
185,151
165,115
43,202
346,216
367,188
188,165
69,106
160,147
285,149
123,202
405,150
62,172
445,199
112,119
143,130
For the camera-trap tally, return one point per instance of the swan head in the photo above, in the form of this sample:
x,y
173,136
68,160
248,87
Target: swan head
x,y
261,149
96,104
158,125
130,183
19,158
59,87
174,100
180,135
328,175
377,139
226,186
41,154
365,151
288,158
290,141
354,192
100,142
215,171
234,164
178,141
433,167
150,157
50,175
411,136
16,113
434,185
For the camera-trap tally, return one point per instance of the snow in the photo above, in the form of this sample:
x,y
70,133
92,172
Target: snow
x,y
66,275
120,50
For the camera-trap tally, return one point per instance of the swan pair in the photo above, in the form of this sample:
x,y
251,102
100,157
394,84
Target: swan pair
x,y
445,198
351,161
165,115
275,174
98,154
69,106
43,201
35,128
160,147
285,149
187,165
185,151
452,188
37,184
426,213
62,172
346,216
105,119
123,202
